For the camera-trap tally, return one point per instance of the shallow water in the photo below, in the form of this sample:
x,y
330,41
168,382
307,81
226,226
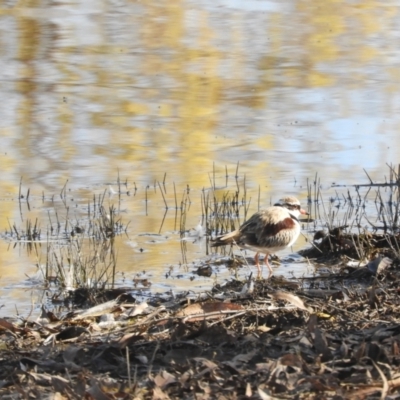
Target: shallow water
x,y
91,91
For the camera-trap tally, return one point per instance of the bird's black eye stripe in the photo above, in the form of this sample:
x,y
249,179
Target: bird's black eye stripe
x,y
292,206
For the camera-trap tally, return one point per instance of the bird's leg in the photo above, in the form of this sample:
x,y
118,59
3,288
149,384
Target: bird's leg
x,y
267,263
256,260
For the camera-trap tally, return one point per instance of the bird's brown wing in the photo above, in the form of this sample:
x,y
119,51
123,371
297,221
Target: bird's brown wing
x,y
262,229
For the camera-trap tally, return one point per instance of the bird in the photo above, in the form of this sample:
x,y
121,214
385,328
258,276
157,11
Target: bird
x,y
267,231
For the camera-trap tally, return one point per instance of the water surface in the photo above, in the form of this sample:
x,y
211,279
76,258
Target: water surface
x,y
91,91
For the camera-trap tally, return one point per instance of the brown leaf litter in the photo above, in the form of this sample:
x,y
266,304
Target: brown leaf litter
x,y
336,336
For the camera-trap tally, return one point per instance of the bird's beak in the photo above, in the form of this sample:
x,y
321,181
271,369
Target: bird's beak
x,y
304,212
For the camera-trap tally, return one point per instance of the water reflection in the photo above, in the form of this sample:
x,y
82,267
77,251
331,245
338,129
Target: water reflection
x,y
287,89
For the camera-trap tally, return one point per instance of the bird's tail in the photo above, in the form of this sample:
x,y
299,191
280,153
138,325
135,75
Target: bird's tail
x,y
223,240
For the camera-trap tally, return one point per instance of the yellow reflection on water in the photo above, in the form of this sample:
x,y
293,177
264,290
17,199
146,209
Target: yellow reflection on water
x,y
148,90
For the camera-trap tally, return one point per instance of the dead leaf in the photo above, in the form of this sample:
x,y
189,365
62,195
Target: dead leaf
x,y
96,393
291,298
5,325
208,308
249,392
128,339
321,345
263,328
158,394
56,396
205,362
379,264
312,323
96,311
385,388
266,396
203,308
41,379
60,384
292,360
137,310
163,379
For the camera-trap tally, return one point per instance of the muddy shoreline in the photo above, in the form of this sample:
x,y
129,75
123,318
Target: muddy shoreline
x,y
334,336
